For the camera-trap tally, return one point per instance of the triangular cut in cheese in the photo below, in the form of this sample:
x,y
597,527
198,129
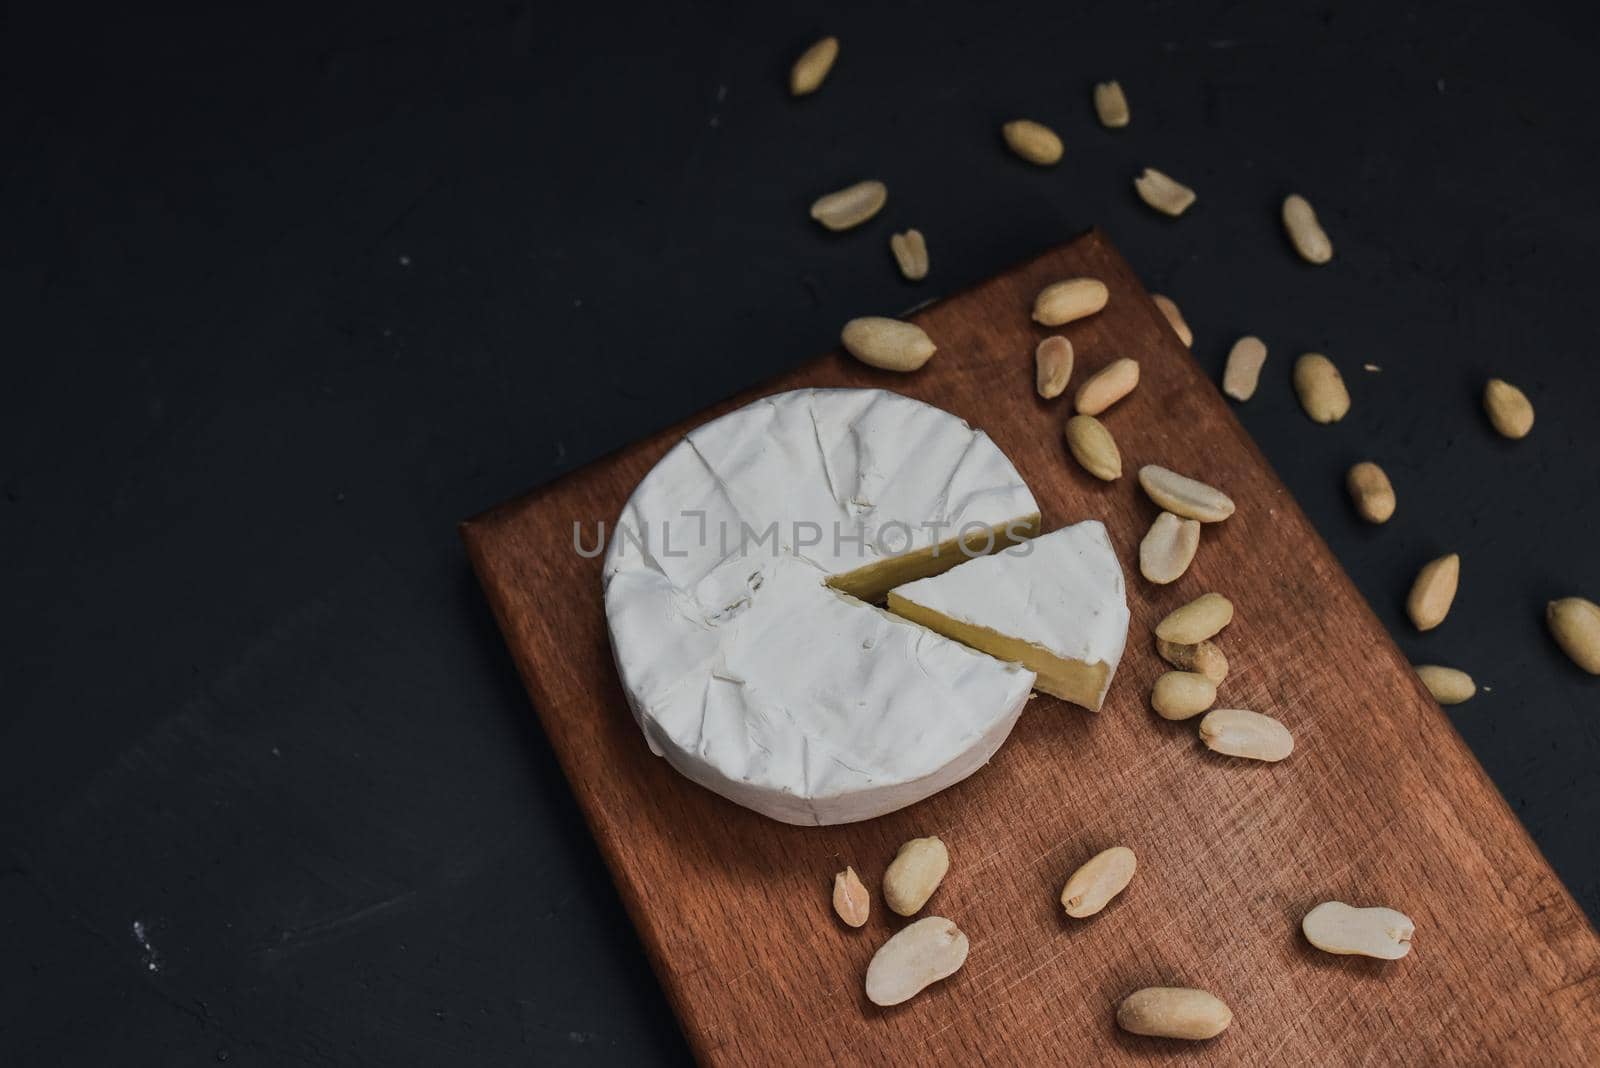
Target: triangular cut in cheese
x,y
1055,605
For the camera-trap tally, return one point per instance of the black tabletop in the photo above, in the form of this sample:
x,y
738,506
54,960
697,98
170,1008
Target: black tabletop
x,y
290,292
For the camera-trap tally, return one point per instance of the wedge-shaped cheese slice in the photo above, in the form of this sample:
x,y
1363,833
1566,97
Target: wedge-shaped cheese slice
x,y
735,590
1056,605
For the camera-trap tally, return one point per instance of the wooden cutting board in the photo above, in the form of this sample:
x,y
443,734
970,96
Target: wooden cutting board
x,y
1381,802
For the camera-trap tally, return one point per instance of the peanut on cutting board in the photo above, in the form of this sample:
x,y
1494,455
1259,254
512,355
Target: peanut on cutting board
x,y
1575,624
1238,732
1202,618
1174,319
1449,686
1434,591
910,252
888,344
917,956
1510,411
1371,492
1033,141
1243,371
1173,1012
1100,878
1092,445
1111,105
1070,299
1203,658
850,898
1182,695
1168,548
1305,232
1108,385
1335,927
1052,362
1167,195
1321,388
850,206
1184,496
808,72
914,874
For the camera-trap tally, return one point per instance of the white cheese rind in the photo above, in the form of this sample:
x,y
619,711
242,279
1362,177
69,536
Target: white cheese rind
x,y
1062,591
744,669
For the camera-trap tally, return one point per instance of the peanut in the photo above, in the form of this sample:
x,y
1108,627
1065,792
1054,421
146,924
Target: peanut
x,y
1243,373
1509,408
1174,319
1196,621
1184,496
1110,105
1168,548
850,206
1107,386
1335,927
888,344
1304,231
850,898
1100,878
1433,591
1321,388
1203,658
1052,366
1073,298
1094,448
813,66
1182,695
914,874
1449,686
918,956
1166,195
1371,491
1237,732
1575,625
1173,1012
1033,141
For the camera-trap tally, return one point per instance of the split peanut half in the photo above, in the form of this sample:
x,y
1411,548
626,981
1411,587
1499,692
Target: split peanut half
x,y
910,253
1168,549
1243,372
1101,878
1335,927
1174,319
1111,105
850,898
1184,496
850,206
1167,195
914,959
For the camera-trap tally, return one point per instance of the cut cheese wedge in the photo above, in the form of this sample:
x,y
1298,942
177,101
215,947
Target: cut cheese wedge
x,y
1056,605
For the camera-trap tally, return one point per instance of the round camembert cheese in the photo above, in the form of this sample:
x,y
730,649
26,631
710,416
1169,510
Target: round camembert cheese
x,y
736,590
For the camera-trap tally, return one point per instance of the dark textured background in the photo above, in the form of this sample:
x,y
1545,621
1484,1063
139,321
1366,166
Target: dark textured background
x,y
288,294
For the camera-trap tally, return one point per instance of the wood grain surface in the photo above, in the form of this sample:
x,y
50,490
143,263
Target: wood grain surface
x,y
1381,802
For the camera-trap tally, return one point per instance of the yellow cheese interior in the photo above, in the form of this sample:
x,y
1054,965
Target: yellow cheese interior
x,y
1071,680
870,583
